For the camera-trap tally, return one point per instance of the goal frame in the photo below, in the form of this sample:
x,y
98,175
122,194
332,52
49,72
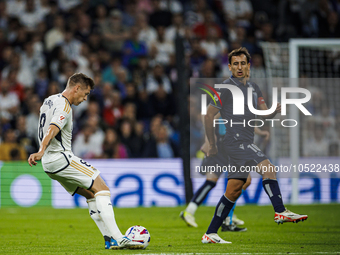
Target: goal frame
x,y
294,136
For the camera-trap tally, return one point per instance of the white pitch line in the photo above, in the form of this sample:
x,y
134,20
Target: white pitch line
x,y
243,253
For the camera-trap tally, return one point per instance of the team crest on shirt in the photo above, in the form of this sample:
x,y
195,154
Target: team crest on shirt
x,y
61,119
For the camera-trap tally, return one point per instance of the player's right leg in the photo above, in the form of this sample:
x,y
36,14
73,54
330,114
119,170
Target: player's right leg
x,y
231,223
104,206
272,189
226,203
91,202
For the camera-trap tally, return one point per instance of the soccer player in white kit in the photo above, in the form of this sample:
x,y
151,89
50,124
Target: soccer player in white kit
x,y
73,173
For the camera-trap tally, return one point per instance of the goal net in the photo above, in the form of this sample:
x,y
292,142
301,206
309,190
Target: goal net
x,y
313,64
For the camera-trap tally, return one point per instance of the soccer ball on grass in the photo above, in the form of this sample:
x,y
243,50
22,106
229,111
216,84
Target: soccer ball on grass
x,y
138,234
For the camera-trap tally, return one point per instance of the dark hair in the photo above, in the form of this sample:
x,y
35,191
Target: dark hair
x,y
81,78
239,52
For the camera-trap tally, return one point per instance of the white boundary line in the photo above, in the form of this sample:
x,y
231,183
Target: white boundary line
x,y
245,253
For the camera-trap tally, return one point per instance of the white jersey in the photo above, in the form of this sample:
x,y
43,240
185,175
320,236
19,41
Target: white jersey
x,y
56,110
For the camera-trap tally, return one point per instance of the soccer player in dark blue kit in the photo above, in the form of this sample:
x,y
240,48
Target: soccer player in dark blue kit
x,y
231,223
238,145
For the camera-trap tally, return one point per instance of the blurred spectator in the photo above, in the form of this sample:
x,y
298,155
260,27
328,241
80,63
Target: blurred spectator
x,y
110,72
114,110
15,8
16,86
84,28
26,141
133,49
196,14
177,27
71,46
159,17
32,60
31,16
100,16
85,144
55,35
214,47
147,34
67,5
132,138
161,147
162,102
41,83
9,102
161,50
197,57
316,146
140,72
24,73
158,79
174,6
130,13
240,10
208,69
201,29
33,117
10,149
114,32
112,147
257,68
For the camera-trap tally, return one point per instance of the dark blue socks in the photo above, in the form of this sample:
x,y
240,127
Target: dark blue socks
x,y
222,210
202,192
273,191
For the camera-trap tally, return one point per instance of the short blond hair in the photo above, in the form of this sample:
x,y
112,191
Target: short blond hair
x,y
81,78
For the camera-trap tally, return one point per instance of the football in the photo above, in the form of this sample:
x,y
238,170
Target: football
x,y
139,234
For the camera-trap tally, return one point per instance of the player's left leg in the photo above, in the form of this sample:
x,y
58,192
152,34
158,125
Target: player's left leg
x,y
227,201
272,189
91,202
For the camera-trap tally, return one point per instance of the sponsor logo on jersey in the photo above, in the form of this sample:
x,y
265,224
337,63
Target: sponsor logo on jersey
x,y
61,119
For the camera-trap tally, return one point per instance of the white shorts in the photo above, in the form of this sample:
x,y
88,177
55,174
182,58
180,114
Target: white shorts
x,y
71,172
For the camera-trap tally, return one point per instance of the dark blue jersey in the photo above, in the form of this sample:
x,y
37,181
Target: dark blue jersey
x,y
237,128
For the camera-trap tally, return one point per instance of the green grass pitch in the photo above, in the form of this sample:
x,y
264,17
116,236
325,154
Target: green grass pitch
x,y
72,231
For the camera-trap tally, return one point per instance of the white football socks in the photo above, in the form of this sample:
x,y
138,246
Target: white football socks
x,y
105,210
96,217
191,208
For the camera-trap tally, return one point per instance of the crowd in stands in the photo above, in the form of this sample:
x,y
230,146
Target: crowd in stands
x,y
128,48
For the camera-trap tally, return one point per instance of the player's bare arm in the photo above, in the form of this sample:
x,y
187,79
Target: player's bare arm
x,y
205,146
263,133
50,134
270,116
209,129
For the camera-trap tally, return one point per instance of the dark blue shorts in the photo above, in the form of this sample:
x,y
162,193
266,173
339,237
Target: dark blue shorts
x,y
243,155
218,164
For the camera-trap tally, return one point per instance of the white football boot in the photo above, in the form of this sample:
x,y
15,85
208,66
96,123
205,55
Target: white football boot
x,y
188,218
288,216
213,238
125,242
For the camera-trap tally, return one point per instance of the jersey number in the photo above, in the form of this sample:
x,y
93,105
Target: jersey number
x,y
41,126
84,162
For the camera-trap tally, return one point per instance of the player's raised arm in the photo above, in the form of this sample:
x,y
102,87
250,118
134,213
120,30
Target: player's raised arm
x,y
52,131
209,129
